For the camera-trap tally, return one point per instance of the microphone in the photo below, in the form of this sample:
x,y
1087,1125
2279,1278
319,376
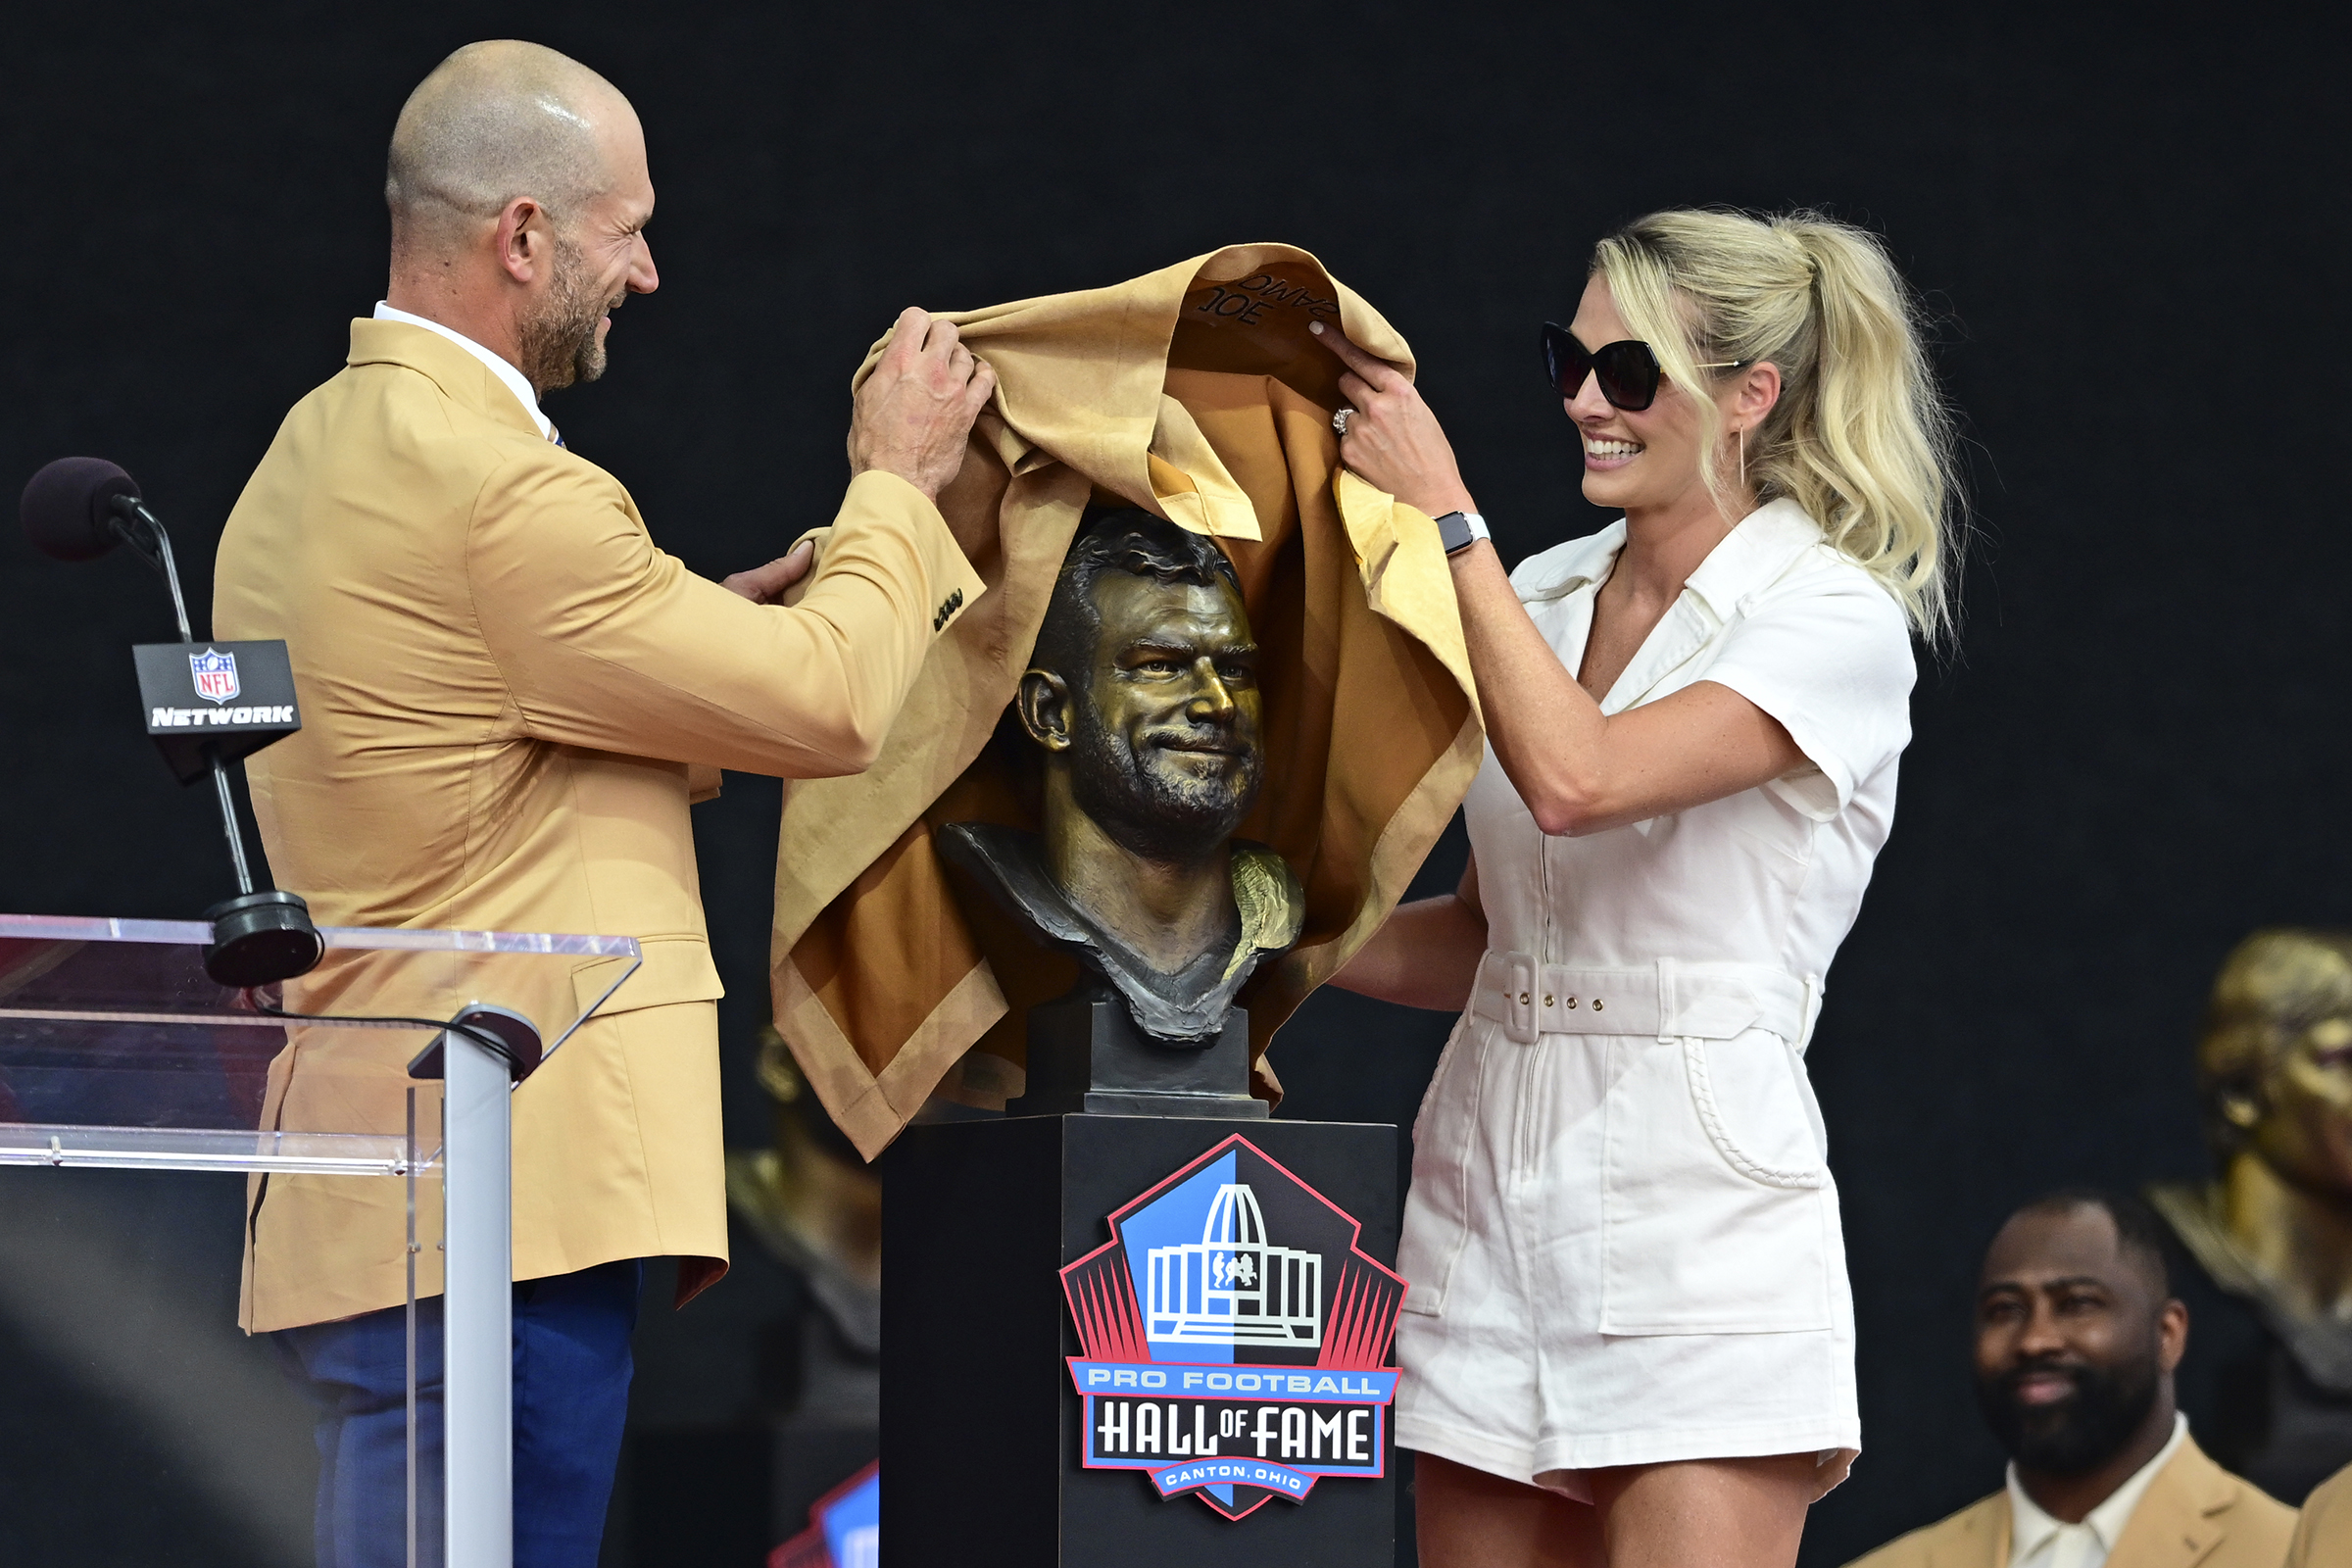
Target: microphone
x,y
68,508
78,509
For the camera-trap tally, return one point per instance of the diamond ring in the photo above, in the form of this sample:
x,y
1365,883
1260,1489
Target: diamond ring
x,y
1338,422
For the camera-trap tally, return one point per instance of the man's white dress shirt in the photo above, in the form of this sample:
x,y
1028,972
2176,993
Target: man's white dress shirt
x,y
499,368
2038,1540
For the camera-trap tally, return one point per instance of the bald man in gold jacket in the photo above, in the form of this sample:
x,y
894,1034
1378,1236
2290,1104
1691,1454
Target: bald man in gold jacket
x,y
509,697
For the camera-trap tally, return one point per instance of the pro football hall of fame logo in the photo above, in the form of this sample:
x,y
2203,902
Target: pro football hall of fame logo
x,y
1237,1342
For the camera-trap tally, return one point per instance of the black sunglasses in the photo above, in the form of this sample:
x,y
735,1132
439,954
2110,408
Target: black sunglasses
x,y
1627,370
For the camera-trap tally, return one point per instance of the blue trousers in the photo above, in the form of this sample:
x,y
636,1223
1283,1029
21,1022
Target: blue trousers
x,y
571,1395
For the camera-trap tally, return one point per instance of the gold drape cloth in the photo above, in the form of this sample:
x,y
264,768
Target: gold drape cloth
x,y
1197,393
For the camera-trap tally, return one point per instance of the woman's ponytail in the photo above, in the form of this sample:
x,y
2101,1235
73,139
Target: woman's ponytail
x,y
1859,438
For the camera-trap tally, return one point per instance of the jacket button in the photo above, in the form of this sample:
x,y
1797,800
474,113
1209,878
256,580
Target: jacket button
x,y
1523,999
1571,1002
1596,1004
1547,999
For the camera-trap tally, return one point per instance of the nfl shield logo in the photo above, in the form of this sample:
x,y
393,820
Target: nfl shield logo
x,y
216,674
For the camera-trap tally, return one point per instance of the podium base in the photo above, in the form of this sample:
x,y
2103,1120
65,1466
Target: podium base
x,y
982,1429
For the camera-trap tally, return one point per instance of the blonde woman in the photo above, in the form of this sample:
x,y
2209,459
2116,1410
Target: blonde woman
x,y
1629,1337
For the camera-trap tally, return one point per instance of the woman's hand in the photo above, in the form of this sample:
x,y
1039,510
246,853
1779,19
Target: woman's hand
x,y
1393,440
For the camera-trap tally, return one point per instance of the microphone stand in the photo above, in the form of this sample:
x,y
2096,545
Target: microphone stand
x,y
258,937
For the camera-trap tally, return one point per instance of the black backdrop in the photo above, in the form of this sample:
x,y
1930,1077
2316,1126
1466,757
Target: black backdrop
x,y
2132,234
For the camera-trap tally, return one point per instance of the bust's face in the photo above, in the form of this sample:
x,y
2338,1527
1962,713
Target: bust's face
x,y
1164,747
2278,1056
2298,1118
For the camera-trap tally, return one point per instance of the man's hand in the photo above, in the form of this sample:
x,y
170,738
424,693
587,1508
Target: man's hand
x,y
766,586
915,413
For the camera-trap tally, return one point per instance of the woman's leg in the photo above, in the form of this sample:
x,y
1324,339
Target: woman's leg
x,y
1705,1513
1467,1518
1693,1513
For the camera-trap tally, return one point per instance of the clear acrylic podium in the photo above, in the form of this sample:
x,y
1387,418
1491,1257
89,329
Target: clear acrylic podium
x,y
117,1052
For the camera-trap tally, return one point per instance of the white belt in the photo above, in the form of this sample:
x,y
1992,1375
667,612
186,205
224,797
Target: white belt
x,y
1670,999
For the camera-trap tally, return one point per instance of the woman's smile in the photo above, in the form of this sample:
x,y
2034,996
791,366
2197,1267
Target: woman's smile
x,y
1607,452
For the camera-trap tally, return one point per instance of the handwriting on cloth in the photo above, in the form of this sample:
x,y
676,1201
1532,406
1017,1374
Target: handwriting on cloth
x,y
1247,301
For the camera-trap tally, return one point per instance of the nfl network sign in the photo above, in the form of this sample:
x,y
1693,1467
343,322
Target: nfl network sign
x,y
213,676
1237,1340
205,700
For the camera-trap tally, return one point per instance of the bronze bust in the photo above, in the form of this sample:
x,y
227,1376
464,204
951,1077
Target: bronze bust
x,y
1141,702
2275,1228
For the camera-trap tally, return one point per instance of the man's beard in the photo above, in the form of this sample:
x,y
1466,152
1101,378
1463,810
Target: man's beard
x,y
558,340
2076,1433
1152,809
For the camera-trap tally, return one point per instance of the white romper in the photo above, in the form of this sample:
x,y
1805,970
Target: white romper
x,y
1622,1237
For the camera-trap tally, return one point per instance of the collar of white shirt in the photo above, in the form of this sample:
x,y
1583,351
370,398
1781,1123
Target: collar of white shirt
x,y
499,368
2030,1527
1746,560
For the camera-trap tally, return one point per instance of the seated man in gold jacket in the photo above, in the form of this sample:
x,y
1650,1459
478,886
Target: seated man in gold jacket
x,y
509,697
2323,1529
2077,1336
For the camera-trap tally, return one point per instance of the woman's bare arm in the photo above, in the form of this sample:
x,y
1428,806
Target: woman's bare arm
x,y
1427,954
1579,770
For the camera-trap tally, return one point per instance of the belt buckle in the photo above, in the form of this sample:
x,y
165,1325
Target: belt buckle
x,y
1519,997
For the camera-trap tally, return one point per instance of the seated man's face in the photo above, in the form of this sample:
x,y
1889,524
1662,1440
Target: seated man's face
x,y
2072,1340
1164,730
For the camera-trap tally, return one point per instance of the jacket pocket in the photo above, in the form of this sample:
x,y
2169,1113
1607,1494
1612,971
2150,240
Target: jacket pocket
x,y
675,968
1445,1132
1716,1202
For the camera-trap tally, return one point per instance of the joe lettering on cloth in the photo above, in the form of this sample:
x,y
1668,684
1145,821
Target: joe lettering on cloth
x,y
1195,394
512,695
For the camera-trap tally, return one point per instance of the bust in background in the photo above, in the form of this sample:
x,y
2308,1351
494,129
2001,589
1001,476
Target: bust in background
x,y
2275,1228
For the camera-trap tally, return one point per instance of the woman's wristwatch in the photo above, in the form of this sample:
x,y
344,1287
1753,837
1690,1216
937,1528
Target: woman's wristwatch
x,y
1458,531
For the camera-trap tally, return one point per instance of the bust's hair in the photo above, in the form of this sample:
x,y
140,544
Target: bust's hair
x,y
1129,540
2273,986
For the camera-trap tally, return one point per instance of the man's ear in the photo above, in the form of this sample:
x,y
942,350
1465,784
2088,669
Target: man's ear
x,y
524,239
2171,1334
1045,708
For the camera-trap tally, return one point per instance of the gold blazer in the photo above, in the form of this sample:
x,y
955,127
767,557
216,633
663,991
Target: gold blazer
x,y
2323,1529
2194,1514
509,698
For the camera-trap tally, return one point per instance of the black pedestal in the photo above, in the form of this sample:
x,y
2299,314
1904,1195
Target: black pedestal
x,y
1085,1054
982,1433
